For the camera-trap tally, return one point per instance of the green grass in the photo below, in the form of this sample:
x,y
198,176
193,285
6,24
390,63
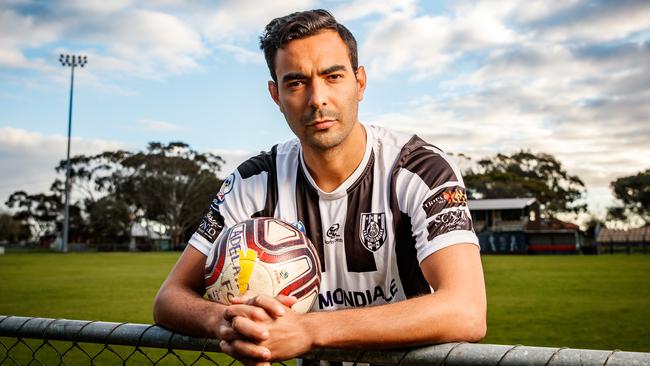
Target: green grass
x,y
599,302
117,287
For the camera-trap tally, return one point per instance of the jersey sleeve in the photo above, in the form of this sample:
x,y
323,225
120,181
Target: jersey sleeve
x,y
430,190
241,197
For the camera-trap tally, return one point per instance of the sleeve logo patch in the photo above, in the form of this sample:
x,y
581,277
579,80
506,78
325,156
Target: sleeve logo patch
x,y
226,187
448,198
456,196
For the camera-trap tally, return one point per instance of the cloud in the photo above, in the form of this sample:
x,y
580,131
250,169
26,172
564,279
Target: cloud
x,y
234,20
119,38
159,126
241,54
426,45
28,159
587,20
364,8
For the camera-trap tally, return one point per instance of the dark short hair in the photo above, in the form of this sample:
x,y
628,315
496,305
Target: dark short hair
x,y
300,25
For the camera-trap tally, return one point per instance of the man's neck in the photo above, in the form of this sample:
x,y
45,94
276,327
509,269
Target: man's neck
x,y
330,168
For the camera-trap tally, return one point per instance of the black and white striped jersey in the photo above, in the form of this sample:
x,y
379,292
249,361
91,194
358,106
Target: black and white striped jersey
x,y
405,201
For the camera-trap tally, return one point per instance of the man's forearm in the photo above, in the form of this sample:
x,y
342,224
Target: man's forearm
x,y
434,318
184,311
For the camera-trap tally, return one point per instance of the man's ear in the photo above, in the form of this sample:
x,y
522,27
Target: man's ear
x,y
273,90
361,82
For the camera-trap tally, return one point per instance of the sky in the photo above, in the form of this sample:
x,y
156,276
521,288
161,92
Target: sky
x,y
569,78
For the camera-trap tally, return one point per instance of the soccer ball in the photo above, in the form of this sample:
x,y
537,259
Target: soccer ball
x,y
267,256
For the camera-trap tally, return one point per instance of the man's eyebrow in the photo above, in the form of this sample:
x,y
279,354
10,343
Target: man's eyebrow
x,y
332,69
293,76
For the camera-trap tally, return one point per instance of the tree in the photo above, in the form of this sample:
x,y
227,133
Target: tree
x,y
12,230
633,192
171,184
40,210
168,183
109,220
525,174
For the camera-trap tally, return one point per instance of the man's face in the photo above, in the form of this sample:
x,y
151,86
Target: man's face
x,y
317,90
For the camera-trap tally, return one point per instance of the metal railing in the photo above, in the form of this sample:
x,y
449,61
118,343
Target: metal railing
x,y
43,341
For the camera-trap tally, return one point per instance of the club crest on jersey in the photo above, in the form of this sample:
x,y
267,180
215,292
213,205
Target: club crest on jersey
x,y
226,187
373,230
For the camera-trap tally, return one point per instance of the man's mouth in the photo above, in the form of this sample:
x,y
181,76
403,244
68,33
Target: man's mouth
x,y
322,124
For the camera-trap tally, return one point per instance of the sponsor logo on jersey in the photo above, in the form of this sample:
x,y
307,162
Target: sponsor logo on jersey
x,y
373,230
333,236
450,197
455,196
226,187
211,225
449,220
349,298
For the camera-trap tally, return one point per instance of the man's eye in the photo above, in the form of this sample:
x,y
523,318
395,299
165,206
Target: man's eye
x,y
334,76
295,83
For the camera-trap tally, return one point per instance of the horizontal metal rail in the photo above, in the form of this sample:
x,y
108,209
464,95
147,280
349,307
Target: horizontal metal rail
x,y
154,336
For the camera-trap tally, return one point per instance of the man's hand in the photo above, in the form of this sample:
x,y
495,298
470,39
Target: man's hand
x,y
250,326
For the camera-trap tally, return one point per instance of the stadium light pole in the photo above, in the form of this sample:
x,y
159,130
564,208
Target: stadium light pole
x,y
71,61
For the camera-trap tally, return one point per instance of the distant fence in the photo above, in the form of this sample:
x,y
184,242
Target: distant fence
x,y
42,341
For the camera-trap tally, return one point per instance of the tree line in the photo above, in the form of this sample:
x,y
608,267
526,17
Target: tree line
x,y
172,184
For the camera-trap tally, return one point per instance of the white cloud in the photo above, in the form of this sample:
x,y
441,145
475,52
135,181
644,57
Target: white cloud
x,y
159,126
588,20
123,40
426,45
151,41
18,32
364,8
28,159
241,54
240,19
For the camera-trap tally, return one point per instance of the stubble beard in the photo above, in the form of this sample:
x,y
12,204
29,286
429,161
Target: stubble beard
x,y
326,139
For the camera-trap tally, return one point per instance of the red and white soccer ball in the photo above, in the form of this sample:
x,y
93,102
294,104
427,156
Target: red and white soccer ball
x,y
264,255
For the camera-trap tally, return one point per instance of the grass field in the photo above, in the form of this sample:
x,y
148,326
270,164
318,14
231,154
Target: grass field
x,y
599,302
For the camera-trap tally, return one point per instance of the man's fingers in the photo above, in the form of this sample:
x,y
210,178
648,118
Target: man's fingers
x,y
272,306
241,299
228,349
249,329
251,312
241,349
287,301
226,331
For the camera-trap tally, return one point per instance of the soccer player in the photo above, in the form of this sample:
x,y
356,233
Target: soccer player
x,y
386,211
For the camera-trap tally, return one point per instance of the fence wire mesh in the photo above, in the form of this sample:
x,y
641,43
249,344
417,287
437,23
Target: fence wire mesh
x,y
43,341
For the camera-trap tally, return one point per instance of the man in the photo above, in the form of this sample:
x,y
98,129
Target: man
x,y
386,211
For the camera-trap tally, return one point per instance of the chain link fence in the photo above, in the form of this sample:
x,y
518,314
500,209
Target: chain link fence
x,y
42,341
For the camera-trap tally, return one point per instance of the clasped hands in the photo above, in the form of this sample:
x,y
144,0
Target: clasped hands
x,y
257,329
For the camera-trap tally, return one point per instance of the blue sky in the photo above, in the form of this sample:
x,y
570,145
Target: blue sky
x,y
568,78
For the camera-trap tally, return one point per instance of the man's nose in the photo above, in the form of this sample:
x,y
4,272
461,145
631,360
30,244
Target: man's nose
x,y
319,94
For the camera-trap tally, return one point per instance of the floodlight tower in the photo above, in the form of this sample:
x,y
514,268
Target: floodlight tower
x,y
71,61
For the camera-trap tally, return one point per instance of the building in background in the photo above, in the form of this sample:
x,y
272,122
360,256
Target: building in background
x,y
514,225
613,240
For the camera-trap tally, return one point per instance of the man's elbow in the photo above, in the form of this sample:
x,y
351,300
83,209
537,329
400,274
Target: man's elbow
x,y
475,325
477,330
158,308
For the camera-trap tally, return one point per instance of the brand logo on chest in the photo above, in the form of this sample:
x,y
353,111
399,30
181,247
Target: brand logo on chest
x,y
332,235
